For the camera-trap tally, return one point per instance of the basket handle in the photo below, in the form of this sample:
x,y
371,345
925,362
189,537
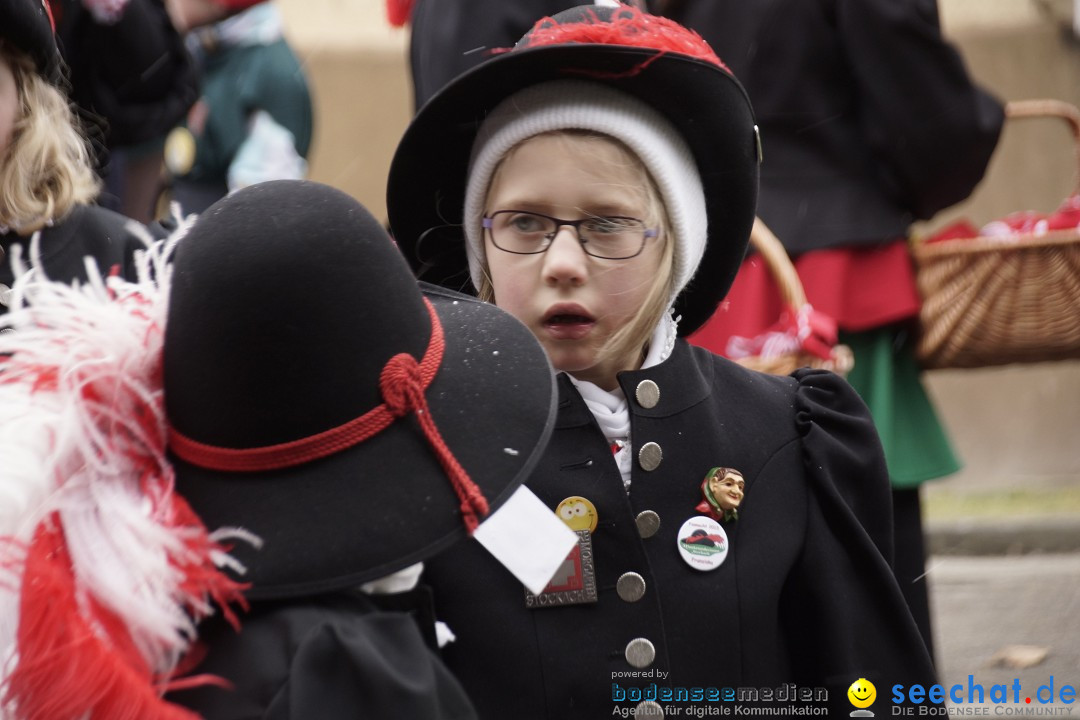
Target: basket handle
x,y
1050,108
778,263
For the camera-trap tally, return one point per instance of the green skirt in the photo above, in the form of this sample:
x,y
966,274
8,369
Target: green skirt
x,y
886,375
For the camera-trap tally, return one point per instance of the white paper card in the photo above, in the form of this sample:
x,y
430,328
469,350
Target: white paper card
x,y
527,538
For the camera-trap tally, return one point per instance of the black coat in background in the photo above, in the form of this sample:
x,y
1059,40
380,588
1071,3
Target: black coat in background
x,y
133,79
868,117
451,36
805,595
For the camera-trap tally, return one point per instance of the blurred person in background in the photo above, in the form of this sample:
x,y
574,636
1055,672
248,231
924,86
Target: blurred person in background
x,y
48,188
254,119
132,80
448,37
869,121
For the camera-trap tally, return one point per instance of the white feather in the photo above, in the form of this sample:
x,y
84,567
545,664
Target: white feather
x,y
74,445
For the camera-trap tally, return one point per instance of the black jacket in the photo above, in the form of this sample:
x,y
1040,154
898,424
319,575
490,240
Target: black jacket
x,y
340,656
88,230
805,595
133,77
451,36
868,117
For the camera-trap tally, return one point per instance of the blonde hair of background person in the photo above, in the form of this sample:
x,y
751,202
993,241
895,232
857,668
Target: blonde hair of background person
x,y
45,165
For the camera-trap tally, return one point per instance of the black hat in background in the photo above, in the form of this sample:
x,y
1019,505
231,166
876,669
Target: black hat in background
x,y
643,56
289,313
28,25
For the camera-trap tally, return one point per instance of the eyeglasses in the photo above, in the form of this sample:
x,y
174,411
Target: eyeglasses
x,y
526,233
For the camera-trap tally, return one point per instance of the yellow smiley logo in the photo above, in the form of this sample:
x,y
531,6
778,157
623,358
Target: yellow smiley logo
x,y
862,693
578,513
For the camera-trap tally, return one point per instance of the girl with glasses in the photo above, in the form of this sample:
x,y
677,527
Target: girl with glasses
x,y
599,182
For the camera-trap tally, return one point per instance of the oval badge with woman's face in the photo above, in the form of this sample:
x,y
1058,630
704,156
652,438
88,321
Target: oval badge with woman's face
x,y
703,544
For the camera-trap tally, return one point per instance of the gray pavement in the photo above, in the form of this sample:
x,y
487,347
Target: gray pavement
x,y
983,605
1002,535
1014,429
1004,572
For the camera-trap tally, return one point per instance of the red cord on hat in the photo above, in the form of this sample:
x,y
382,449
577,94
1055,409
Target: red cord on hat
x,y
403,383
403,386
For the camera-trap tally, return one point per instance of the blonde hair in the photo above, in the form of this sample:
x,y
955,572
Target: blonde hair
x,y
46,169
635,335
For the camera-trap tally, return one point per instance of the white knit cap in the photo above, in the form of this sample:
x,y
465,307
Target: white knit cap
x,y
577,104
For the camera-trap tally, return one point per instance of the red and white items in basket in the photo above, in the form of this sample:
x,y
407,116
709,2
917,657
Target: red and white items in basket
x,y
797,330
1017,224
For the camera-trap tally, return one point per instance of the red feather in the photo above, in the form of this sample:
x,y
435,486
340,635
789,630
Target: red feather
x,y
67,666
398,12
628,26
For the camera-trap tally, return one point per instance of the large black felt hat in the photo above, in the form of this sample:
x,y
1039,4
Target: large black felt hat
x,y
290,309
699,97
28,25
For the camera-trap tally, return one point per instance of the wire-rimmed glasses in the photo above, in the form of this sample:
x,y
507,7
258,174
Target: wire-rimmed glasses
x,y
611,237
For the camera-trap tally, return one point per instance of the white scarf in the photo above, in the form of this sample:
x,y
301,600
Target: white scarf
x,y
610,408
259,25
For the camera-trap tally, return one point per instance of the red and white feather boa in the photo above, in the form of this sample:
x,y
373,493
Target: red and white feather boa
x,y
104,569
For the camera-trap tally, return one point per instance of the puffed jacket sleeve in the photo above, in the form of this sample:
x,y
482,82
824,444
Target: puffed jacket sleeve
x,y
843,455
933,128
848,619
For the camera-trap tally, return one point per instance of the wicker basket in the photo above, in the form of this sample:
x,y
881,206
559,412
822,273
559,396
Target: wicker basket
x,y
993,301
791,291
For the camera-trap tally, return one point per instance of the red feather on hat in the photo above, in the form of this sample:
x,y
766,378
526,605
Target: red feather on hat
x,y
628,26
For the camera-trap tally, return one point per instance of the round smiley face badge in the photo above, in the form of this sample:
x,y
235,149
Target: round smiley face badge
x,y
578,513
703,544
862,694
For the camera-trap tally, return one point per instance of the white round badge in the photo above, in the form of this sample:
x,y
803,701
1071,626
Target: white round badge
x,y
703,544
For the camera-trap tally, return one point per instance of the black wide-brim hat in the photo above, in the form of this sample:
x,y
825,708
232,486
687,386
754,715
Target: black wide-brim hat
x,y
28,25
287,301
704,101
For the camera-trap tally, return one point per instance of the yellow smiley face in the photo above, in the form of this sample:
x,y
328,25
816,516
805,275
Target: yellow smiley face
x,y
862,693
578,513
